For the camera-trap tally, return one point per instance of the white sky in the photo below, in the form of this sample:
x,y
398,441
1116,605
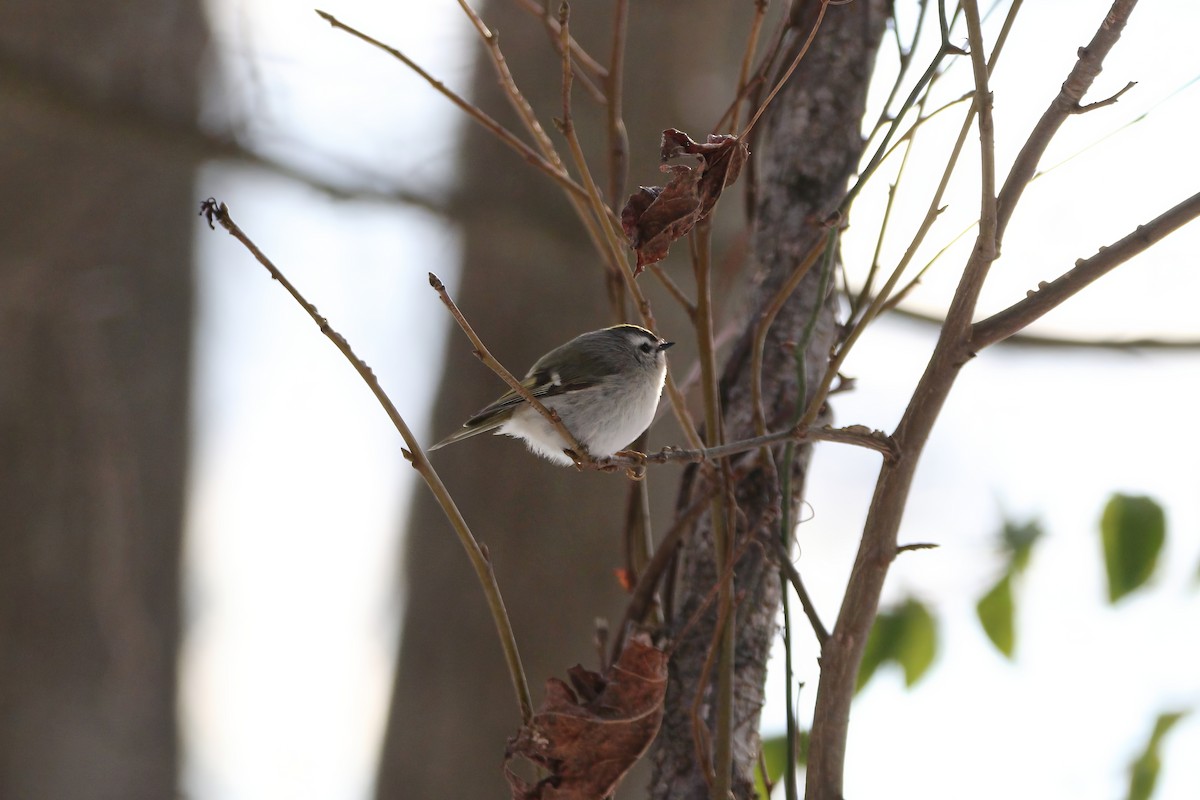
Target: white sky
x,y
298,489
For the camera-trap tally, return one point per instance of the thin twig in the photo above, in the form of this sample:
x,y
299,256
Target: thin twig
x,y
415,455
858,302
594,68
933,211
1024,338
764,326
857,435
793,576
699,732
515,97
906,58
898,297
673,289
752,89
812,34
1142,117
527,116
868,171
578,452
906,140
643,593
756,23
495,128
618,137
613,242
1080,79
987,243
700,241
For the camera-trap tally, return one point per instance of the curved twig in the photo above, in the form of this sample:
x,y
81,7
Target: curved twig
x,y
212,210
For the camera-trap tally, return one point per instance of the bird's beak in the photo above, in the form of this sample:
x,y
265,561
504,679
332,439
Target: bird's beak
x,y
665,345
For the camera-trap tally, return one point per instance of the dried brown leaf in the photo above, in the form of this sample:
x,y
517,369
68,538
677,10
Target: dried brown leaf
x,y
589,737
655,216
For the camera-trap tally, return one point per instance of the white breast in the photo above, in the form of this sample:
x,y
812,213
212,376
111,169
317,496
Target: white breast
x,y
623,419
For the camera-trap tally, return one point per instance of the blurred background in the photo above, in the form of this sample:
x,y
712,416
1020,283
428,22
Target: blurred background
x,y
218,578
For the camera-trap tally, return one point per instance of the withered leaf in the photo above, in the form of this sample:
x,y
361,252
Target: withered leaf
x,y
589,744
655,216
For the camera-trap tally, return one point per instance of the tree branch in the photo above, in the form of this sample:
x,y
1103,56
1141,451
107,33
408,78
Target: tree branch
x,y
212,210
858,435
793,576
1024,339
495,128
1049,295
842,655
1066,103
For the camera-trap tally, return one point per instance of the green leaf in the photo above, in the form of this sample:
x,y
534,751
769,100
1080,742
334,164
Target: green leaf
x,y
802,740
1143,772
1019,540
995,610
774,752
917,643
907,636
1133,530
880,648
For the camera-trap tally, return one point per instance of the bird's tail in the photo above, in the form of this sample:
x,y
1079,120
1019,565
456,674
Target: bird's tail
x,y
469,430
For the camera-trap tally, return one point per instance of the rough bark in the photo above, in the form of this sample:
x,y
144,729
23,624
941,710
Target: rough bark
x,y
810,148
95,307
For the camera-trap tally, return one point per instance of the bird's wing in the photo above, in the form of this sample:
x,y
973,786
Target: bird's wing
x,y
541,383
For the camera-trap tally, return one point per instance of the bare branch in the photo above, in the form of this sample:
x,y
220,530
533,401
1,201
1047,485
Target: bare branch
x,y
492,126
842,656
516,99
793,576
764,326
594,70
212,210
1108,101
931,71
643,593
618,137
735,111
1049,295
934,210
812,34
1025,339
857,435
1065,103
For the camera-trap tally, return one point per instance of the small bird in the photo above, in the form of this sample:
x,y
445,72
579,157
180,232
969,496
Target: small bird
x,y
604,385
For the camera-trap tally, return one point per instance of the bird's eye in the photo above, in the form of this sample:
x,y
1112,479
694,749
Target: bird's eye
x,y
647,348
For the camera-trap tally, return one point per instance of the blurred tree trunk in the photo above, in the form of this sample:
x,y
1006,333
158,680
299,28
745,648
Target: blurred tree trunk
x,y
530,280
96,219
810,146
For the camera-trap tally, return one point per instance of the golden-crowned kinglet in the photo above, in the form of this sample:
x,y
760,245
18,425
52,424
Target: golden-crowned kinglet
x,y
604,385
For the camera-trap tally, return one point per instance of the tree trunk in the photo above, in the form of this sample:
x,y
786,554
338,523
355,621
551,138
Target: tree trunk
x,y
811,145
95,307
